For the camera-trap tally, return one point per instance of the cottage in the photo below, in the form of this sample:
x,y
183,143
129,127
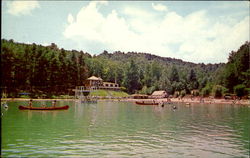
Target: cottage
x,y
159,94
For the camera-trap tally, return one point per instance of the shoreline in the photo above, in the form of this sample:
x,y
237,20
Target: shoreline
x,y
165,100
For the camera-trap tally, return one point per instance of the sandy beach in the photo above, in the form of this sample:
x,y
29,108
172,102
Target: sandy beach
x,y
173,100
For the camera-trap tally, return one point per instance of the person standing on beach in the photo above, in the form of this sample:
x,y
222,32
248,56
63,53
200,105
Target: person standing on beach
x,y
30,103
54,103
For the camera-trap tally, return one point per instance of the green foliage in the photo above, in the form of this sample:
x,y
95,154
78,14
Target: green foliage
x,y
132,80
144,90
183,93
24,96
219,91
53,71
40,70
247,90
237,70
206,90
123,89
195,93
176,94
240,90
174,76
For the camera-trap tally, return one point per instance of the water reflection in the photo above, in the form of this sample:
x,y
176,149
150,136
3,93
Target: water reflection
x,y
121,129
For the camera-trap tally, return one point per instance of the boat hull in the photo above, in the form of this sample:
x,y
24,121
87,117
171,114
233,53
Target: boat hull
x,y
146,103
44,108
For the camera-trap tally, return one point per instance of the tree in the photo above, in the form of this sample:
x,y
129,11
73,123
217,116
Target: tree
x,y
239,90
219,91
174,76
131,80
192,80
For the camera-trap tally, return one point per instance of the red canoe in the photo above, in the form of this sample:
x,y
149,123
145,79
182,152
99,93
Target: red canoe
x,y
44,108
146,103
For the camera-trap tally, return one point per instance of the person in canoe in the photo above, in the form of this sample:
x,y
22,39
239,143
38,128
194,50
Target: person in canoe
x,y
30,103
54,103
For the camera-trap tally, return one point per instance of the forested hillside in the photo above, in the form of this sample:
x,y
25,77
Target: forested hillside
x,y
50,71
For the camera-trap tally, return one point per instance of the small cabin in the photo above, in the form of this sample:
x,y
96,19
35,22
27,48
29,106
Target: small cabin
x,y
159,94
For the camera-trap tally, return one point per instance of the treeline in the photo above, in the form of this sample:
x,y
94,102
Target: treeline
x,y
50,71
145,73
234,77
40,70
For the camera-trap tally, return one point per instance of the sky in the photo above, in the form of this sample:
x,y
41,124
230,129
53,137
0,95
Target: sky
x,y
199,32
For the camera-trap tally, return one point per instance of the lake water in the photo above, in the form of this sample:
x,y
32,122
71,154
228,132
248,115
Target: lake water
x,y
123,129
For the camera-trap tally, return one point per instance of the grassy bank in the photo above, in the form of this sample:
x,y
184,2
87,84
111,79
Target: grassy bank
x,y
107,93
99,93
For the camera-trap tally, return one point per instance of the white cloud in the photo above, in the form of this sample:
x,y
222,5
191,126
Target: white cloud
x,y
196,37
22,7
70,18
136,12
233,5
159,7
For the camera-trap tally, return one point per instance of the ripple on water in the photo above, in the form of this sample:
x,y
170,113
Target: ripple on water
x,y
130,131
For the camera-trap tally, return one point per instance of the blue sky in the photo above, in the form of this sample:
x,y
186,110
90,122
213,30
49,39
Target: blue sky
x,y
198,32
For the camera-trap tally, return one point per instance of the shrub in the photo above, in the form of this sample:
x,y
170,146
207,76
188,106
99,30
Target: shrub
x,y
206,91
150,90
240,90
195,93
123,89
247,90
219,90
144,90
183,93
176,94
24,96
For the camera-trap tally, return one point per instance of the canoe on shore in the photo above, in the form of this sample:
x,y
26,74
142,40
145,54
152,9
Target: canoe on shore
x,y
146,103
44,108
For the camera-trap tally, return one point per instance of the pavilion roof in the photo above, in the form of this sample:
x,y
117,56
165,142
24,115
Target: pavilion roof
x,y
94,78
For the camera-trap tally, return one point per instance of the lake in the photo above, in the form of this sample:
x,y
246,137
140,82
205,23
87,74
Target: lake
x,y
124,129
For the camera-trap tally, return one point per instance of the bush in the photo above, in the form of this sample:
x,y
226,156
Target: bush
x,y
240,90
206,91
219,91
24,96
150,90
195,93
176,94
183,93
144,90
123,89
247,90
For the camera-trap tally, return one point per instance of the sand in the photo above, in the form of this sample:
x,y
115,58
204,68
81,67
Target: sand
x,y
174,100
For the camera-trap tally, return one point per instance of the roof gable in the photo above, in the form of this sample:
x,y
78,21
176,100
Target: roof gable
x,y
159,93
94,78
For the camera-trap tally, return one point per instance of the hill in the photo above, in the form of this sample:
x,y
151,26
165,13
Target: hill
x,y
51,71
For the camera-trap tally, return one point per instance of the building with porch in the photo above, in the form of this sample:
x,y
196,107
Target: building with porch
x,y
94,82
